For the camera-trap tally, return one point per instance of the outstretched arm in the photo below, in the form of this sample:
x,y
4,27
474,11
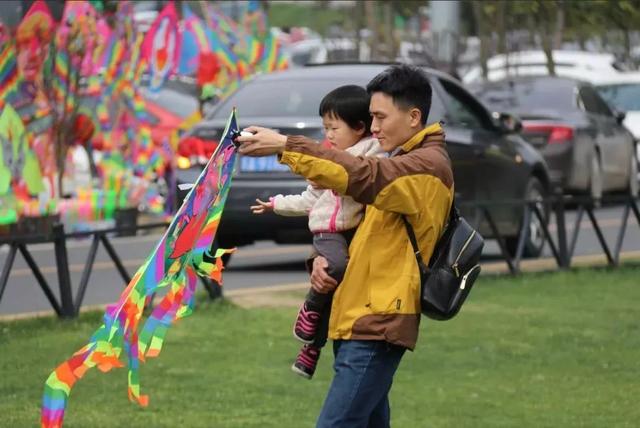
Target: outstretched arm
x,y
400,184
296,205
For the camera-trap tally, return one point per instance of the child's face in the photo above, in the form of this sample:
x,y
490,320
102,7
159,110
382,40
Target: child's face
x,y
339,134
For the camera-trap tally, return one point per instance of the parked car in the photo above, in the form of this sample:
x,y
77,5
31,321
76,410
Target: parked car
x,y
579,65
490,162
583,141
622,92
166,109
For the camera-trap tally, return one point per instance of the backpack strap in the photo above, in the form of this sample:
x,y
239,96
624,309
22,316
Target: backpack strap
x,y
424,269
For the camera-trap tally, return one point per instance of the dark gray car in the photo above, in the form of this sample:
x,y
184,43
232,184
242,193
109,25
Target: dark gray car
x,y
586,147
489,161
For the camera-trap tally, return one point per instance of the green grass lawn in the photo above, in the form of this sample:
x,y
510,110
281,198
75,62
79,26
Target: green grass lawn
x,y
539,350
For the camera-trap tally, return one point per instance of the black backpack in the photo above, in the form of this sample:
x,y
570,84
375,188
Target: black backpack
x,y
453,267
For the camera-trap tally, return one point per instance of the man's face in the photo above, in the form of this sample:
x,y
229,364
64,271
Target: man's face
x,y
392,126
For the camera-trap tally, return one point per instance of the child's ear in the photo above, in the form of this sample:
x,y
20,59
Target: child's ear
x,y
362,129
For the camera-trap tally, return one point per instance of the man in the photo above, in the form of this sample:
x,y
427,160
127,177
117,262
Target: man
x,y
376,309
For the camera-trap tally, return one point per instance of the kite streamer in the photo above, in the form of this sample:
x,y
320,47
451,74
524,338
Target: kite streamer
x,y
9,76
194,42
183,253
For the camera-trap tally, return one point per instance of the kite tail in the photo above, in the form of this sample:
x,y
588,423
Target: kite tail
x,y
163,315
211,267
103,351
58,387
59,383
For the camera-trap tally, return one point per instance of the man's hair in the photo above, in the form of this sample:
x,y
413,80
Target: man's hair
x,y
407,85
349,103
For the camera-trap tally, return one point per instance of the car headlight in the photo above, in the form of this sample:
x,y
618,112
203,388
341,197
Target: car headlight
x,y
183,163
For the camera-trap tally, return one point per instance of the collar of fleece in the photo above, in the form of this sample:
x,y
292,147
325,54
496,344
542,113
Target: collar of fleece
x,y
418,138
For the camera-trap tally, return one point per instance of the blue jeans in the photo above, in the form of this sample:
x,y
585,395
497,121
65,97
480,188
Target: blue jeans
x,y
358,396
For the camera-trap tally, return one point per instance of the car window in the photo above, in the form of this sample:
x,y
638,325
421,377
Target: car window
x,y
179,104
593,103
279,98
623,97
528,96
462,109
437,111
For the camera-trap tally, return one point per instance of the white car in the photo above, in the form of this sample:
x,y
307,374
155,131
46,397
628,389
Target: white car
x,y
579,65
622,92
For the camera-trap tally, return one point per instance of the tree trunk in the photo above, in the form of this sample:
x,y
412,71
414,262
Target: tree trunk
x,y
546,24
559,32
370,8
482,35
547,47
389,39
502,27
627,43
359,24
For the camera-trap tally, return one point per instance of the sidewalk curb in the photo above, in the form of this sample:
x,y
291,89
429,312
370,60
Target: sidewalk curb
x,y
267,296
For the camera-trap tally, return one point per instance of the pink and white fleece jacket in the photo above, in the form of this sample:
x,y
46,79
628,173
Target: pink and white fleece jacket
x,y
328,211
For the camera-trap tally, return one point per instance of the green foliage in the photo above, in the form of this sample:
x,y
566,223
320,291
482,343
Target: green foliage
x,y
317,17
541,350
584,18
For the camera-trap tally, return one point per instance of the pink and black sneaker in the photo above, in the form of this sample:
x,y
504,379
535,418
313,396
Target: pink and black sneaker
x,y
305,364
306,324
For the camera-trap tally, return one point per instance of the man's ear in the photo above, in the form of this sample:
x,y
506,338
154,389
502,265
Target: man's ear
x,y
415,117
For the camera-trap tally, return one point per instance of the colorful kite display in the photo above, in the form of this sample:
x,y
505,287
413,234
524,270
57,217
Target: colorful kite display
x,y
77,85
9,77
161,46
183,254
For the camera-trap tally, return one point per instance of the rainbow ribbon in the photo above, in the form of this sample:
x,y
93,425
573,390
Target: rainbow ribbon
x,y
183,253
9,77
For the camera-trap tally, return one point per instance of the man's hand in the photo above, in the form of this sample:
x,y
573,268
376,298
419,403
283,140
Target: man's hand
x,y
321,282
263,142
315,185
262,207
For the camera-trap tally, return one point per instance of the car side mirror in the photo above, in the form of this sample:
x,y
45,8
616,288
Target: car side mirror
x,y
620,116
508,123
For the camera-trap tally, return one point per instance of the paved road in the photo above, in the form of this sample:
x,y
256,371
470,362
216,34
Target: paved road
x,y
259,265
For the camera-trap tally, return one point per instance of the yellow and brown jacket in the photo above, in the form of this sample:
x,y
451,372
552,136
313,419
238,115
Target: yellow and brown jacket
x,y
379,297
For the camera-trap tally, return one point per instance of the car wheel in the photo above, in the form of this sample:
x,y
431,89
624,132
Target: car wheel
x,y
634,185
535,241
595,179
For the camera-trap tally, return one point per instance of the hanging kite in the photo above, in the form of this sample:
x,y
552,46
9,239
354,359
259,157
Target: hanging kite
x,y
194,42
20,176
161,46
9,76
183,254
33,37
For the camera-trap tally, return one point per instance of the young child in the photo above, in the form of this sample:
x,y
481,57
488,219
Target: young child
x,y
332,218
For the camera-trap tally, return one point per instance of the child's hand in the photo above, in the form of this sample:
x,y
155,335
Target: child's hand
x,y
262,207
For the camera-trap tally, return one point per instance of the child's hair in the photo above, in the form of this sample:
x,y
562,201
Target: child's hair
x,y
349,103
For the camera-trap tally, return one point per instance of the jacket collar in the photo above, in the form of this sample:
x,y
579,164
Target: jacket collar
x,y
422,135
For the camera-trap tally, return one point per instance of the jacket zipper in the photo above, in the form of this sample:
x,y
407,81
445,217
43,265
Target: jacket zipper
x,y
332,221
454,266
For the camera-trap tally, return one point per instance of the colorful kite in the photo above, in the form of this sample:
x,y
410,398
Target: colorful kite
x,y
183,254
33,35
9,77
194,42
17,162
161,46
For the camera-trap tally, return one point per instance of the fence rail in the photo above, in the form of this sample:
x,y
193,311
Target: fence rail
x,y
561,245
